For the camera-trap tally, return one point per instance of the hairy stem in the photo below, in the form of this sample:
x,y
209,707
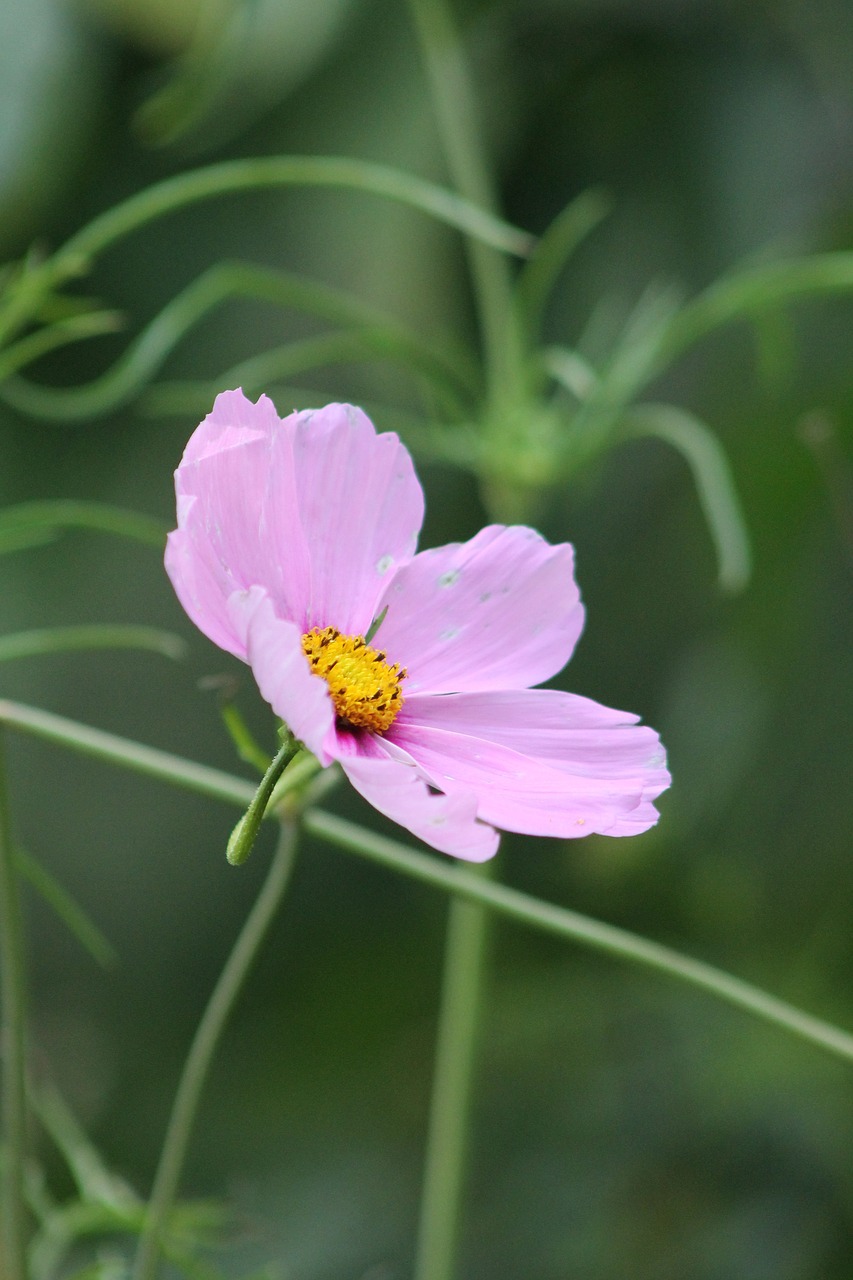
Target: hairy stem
x,y
203,1048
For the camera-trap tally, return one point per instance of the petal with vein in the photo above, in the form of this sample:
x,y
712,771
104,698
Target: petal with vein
x,y
361,507
274,652
521,793
238,523
564,730
499,612
446,822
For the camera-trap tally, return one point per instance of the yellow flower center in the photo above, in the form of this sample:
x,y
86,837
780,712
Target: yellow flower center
x,y
365,687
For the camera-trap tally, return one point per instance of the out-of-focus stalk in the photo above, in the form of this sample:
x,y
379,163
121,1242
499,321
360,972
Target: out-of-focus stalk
x,y
449,1124
456,115
13,1042
204,1047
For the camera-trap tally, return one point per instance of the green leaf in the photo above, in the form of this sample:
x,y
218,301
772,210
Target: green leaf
x,y
264,172
632,362
569,368
230,280
552,252
27,644
715,486
285,362
42,520
70,913
76,329
247,748
561,922
748,292
134,755
94,1181
38,280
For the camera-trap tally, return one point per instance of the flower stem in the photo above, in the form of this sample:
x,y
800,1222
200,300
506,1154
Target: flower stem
x,y
245,833
203,1048
525,909
447,1139
13,1040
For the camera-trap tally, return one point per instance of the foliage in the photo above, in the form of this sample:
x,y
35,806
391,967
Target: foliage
x,y
491,391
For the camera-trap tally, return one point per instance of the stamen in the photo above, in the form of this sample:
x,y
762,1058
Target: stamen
x,y
370,697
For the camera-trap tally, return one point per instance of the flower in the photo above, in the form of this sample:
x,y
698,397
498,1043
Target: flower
x,y
296,550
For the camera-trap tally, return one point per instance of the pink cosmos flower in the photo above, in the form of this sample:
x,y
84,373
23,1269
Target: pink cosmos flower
x,y
295,536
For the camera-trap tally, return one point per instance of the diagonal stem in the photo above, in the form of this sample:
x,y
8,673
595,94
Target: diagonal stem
x,y
13,1041
203,1048
510,903
447,1140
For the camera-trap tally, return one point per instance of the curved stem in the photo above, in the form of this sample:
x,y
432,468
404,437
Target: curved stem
x,y
202,1050
706,458
95,635
449,1123
274,171
74,258
13,1032
245,833
226,280
747,292
51,516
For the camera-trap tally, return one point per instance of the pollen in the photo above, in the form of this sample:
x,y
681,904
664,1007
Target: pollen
x,y
364,685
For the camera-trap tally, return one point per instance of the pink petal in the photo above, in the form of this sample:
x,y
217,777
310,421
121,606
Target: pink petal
x,y
274,652
562,729
361,507
531,770
234,421
238,518
201,589
446,822
499,612
317,509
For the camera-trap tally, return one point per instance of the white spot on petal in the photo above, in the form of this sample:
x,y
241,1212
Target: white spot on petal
x,y
448,579
449,633
487,595
383,565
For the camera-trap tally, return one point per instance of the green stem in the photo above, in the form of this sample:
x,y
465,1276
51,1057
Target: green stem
x,y
127,754
455,108
45,640
275,171
746,293
225,281
75,257
246,831
201,1053
426,868
13,1032
449,1122
562,922
53,516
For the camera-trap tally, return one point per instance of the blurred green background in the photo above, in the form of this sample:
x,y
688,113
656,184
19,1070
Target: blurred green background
x,y
624,1126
